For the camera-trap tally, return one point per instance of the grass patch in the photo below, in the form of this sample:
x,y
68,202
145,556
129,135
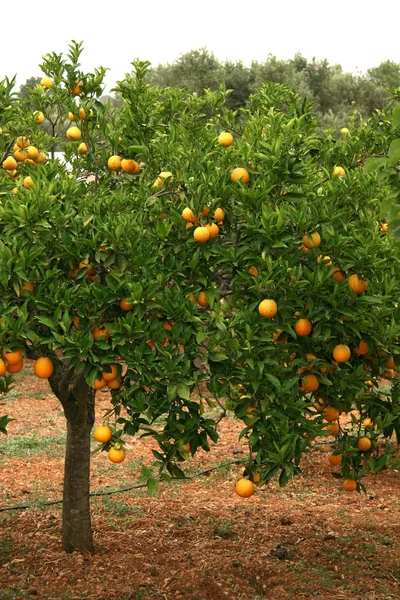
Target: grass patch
x,y
52,446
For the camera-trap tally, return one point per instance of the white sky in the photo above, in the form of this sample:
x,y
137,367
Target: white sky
x,y
356,34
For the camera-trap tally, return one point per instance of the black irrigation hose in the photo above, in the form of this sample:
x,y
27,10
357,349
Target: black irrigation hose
x,y
120,490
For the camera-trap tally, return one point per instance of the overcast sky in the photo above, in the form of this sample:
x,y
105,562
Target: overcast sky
x,y
356,34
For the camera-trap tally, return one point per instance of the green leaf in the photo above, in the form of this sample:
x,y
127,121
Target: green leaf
x,y
396,117
183,391
374,164
152,486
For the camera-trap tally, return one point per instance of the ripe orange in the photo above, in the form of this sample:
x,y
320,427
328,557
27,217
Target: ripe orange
x,y
114,163
213,230
338,275
83,115
310,383
357,285
240,174
202,300
82,148
39,117
115,384
43,367
125,305
277,337
76,322
362,348
13,358
303,327
46,82
244,488
108,375
339,172
268,308
335,459
368,423
130,166
384,227
256,477
364,444
163,178
98,332
28,286
99,384
350,485
219,214
74,134
28,183
341,353
41,158
225,139
167,326
22,142
3,367
254,271
312,240
78,89
206,211
333,428
102,434
15,368
32,152
116,455
189,215
10,163
20,155
389,363
330,413
201,234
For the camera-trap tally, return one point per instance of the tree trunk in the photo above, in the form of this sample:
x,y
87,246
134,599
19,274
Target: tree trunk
x,y
78,400
76,520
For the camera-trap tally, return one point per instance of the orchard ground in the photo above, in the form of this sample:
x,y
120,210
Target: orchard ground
x,y
195,540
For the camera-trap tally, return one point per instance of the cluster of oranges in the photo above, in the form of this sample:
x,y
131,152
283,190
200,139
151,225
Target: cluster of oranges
x,y
103,435
12,362
23,153
202,233
128,165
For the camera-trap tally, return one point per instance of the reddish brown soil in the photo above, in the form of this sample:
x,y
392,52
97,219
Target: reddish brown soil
x,y
194,540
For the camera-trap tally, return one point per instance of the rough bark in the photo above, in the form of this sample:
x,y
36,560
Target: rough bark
x,y
78,403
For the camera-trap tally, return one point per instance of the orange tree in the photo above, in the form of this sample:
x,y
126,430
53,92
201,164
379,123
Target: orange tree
x,y
186,254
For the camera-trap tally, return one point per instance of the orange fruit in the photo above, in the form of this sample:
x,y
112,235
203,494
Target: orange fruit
x,y
15,368
32,152
189,215
102,434
116,455
338,275
13,358
339,172
303,327
201,234
202,300
22,142
362,348
341,353
225,139
167,326
20,155
108,375
163,178
277,337
99,384
98,332
244,488
310,383
240,174
357,285
364,444
389,363
28,183
335,459
114,163
3,367
384,227
254,271
130,166
39,117
268,308
213,230
74,134
43,367
350,485
115,384
256,477
82,148
76,322
46,82
28,286
330,413
125,305
219,214
10,163
333,428
312,240
206,211
368,423
78,89
41,158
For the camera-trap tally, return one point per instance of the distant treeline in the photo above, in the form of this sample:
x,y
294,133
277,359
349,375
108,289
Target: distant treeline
x,y
336,95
